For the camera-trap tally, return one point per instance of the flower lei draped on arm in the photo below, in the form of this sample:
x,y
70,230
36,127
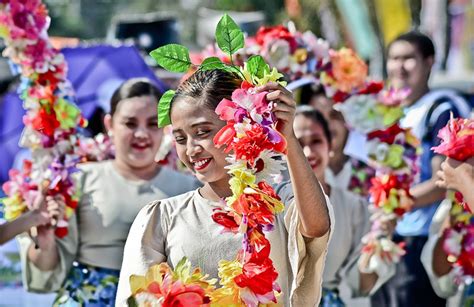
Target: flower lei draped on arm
x,y
51,120
393,151
255,150
457,143
367,107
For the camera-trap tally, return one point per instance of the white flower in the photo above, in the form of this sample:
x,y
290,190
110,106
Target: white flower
x,y
360,113
273,164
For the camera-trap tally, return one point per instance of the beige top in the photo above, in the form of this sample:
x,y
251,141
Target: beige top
x,y
181,226
444,286
99,228
353,223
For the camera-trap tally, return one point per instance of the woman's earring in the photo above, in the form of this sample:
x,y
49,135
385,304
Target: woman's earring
x,y
109,133
331,154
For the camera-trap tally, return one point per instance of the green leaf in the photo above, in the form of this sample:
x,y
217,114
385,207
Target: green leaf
x,y
164,108
229,37
257,66
172,57
212,63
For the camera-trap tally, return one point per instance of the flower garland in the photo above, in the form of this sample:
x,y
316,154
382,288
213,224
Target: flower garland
x,y
51,120
394,152
292,52
256,146
367,108
457,139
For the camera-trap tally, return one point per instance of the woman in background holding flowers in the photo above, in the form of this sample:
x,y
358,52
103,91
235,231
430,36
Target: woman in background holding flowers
x,y
84,265
345,260
167,230
449,252
344,171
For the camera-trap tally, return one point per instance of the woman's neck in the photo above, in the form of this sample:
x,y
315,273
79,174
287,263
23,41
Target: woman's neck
x,y
336,164
132,173
216,191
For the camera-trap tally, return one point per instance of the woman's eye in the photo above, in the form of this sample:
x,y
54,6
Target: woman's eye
x,y
130,124
202,132
179,139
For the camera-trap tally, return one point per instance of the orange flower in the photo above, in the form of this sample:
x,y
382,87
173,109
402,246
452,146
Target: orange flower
x,y
348,70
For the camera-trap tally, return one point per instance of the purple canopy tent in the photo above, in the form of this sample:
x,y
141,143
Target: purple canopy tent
x,y
95,72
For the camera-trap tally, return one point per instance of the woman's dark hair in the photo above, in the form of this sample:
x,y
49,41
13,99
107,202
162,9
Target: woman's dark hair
x,y
209,87
135,87
310,90
316,116
423,43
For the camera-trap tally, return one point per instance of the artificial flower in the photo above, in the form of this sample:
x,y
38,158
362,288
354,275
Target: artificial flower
x,y
457,139
348,70
268,35
272,76
225,136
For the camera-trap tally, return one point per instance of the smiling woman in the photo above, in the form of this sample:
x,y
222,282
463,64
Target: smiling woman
x,y
84,266
181,226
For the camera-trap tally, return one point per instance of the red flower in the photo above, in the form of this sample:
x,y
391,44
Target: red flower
x,y
226,220
268,190
258,276
388,135
185,295
246,85
225,136
340,97
457,139
252,144
267,35
373,87
256,209
45,122
61,232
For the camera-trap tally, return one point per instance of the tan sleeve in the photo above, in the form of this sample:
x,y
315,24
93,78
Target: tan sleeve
x,y
144,247
307,259
35,280
444,286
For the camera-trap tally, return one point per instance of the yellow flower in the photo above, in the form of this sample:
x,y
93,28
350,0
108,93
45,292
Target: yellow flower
x,y
228,294
14,206
273,76
300,55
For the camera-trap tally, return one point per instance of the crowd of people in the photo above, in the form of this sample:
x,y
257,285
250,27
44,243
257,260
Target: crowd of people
x,y
134,212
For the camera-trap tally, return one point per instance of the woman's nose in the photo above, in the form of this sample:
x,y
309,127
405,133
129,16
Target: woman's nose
x,y
141,132
192,148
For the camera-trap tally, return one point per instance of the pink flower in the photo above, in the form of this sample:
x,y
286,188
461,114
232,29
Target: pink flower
x,y
393,97
457,139
28,18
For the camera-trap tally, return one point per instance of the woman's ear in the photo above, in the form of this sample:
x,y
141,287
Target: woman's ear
x,y
108,124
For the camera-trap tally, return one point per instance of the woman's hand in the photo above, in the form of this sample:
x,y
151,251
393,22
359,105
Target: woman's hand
x,y
47,210
456,174
284,107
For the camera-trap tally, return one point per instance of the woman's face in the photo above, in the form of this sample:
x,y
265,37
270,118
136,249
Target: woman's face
x,y
135,132
194,128
314,143
337,125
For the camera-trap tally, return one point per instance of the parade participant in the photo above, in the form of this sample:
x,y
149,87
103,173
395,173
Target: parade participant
x,y
345,260
410,58
168,230
84,265
344,171
435,260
